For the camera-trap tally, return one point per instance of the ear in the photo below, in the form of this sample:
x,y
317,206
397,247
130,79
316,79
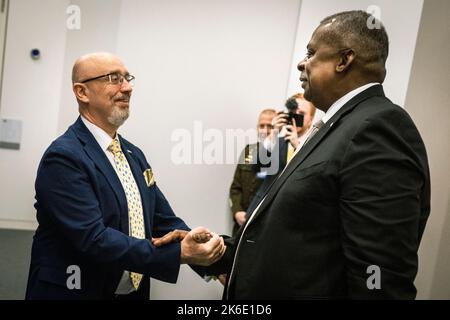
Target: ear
x,y
347,57
81,92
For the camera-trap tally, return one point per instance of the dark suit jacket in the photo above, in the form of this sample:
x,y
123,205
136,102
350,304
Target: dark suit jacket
x,y
357,195
280,154
83,220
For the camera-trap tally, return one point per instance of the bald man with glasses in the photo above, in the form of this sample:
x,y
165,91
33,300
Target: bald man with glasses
x,y
98,205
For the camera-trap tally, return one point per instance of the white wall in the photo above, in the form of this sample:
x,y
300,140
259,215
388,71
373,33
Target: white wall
x,y
31,93
428,103
3,20
401,19
220,62
98,32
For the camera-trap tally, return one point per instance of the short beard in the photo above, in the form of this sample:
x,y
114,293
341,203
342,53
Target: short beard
x,y
118,116
261,137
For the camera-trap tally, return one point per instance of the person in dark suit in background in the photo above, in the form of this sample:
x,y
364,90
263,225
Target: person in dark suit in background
x,y
98,205
345,218
284,139
247,176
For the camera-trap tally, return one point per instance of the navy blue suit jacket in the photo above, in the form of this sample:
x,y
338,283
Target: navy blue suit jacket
x,y
83,221
280,157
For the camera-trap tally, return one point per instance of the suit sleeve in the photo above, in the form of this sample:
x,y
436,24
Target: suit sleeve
x,y
165,219
381,183
223,266
65,194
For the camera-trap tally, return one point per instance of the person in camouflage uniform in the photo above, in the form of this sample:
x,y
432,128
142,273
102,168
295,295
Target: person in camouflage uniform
x,y
246,180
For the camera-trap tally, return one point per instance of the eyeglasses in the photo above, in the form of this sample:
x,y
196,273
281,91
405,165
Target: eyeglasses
x,y
114,78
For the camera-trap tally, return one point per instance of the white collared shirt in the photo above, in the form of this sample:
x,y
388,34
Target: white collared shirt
x,y
104,140
338,104
335,107
269,144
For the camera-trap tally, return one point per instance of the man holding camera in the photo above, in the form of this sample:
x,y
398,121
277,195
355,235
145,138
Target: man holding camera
x,y
291,127
289,132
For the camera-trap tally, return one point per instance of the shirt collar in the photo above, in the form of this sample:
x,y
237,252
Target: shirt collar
x,y
100,135
338,104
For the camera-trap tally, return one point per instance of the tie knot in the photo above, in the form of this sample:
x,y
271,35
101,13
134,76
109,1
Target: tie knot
x,y
114,147
318,124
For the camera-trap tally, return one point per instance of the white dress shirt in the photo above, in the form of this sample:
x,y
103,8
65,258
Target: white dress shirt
x,y
338,104
270,143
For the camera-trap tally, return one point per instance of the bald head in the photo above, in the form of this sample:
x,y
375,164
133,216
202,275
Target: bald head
x,y
264,126
104,100
92,65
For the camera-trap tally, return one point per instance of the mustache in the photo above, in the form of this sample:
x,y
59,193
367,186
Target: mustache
x,y
123,98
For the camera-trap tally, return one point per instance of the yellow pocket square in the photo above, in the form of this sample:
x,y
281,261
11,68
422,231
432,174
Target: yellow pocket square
x,y
149,178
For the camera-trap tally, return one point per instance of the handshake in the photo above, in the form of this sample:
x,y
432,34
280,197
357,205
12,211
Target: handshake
x,y
198,246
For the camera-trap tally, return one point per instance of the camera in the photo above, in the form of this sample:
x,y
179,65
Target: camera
x,y
291,106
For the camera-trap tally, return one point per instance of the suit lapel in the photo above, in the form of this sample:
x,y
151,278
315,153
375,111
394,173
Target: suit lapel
x,y
284,145
98,156
306,150
140,181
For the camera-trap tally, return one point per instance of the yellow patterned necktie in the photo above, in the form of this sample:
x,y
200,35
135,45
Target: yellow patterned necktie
x,y
290,152
135,213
